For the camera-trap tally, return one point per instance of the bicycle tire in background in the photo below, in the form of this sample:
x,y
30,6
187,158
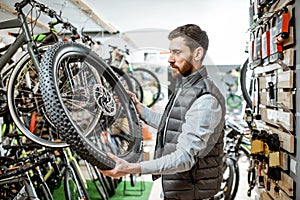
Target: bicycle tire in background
x,y
79,91
99,182
231,179
124,78
150,84
244,88
73,186
27,108
137,88
234,101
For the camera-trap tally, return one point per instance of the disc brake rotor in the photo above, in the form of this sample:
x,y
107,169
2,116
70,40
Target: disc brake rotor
x,y
105,100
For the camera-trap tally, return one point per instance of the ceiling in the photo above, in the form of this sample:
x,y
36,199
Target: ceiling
x,y
146,24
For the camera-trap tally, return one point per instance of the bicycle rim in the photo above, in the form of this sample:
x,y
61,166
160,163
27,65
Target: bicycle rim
x,y
79,91
27,107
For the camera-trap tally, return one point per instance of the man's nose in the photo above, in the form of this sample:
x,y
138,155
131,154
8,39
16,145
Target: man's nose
x,y
171,59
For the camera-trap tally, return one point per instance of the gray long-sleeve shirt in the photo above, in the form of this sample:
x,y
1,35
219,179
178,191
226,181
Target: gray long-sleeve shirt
x,y
200,121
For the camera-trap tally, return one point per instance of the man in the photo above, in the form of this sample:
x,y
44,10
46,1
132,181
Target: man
x,y
189,148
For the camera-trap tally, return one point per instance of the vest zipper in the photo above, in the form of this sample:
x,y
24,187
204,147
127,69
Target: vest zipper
x,y
168,116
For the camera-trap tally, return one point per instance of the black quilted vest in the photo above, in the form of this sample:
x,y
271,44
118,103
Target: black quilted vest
x,y
204,179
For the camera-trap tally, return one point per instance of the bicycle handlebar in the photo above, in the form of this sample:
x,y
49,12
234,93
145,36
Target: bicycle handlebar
x,y
20,5
51,13
126,50
85,38
23,169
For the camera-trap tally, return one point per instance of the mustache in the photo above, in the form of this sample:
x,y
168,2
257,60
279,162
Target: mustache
x,y
173,65
187,63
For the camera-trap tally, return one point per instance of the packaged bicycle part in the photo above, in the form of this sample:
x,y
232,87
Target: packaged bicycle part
x,y
275,49
257,146
265,43
274,146
274,159
251,48
283,28
283,24
257,54
251,14
271,93
273,142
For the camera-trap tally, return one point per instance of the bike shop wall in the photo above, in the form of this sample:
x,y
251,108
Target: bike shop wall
x,y
285,75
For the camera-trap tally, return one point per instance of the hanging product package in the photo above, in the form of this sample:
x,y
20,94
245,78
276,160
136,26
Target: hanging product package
x,y
265,44
251,48
257,56
278,34
275,49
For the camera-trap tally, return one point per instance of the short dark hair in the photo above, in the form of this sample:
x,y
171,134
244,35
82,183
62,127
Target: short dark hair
x,y
193,35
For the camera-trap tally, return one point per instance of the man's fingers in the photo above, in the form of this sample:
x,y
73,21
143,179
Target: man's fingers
x,y
112,156
132,97
129,92
117,99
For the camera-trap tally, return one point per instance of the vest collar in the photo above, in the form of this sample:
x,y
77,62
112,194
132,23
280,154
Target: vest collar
x,y
192,78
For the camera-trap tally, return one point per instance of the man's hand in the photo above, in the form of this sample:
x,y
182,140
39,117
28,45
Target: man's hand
x,y
133,97
122,168
138,105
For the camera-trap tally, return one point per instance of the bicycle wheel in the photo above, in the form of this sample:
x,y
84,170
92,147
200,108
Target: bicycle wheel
x,y
246,86
150,84
43,192
138,89
27,108
109,184
81,180
230,182
124,78
97,180
73,186
234,101
79,89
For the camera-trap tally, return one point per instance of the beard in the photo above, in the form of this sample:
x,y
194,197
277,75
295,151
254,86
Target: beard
x,y
185,70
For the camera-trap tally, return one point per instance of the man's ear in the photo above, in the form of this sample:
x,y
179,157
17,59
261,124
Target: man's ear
x,y
198,53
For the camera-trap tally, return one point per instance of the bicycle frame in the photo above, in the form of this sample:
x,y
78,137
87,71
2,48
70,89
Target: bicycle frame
x,y
27,185
23,38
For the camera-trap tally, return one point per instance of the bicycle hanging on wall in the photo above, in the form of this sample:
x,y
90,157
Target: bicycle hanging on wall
x,y
78,92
